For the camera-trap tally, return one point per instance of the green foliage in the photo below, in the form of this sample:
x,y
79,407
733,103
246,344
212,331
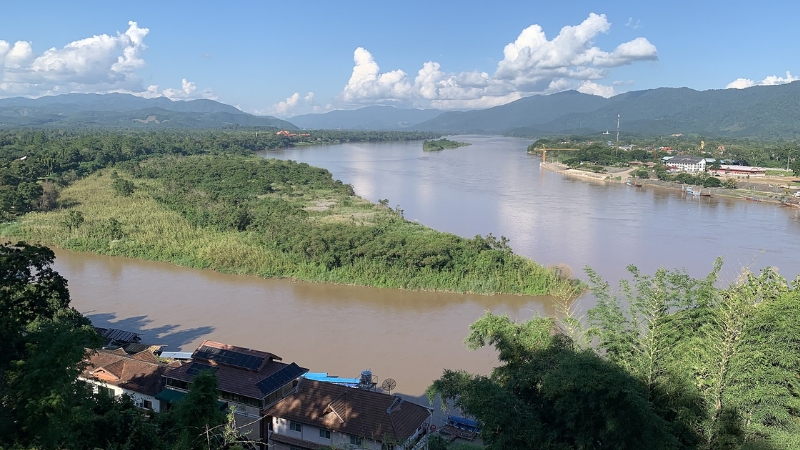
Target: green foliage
x,y
441,144
73,220
44,345
712,182
547,395
123,187
641,173
729,183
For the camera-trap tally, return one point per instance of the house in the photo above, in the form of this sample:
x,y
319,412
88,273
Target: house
x,y
690,164
250,381
739,171
328,415
115,373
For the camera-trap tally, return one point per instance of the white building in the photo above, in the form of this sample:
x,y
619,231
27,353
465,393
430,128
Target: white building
x,y
690,164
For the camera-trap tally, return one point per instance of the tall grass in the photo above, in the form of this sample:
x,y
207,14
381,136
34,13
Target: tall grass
x,y
151,231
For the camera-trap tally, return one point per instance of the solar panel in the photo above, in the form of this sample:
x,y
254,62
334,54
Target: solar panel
x,y
229,358
197,367
276,380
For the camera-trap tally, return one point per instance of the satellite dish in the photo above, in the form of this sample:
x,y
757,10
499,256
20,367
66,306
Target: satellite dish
x,y
388,385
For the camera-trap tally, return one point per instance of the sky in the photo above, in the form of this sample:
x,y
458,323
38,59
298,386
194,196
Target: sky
x,y
290,58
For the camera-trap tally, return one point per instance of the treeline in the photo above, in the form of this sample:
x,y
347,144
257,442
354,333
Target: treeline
x,y
770,154
35,164
670,362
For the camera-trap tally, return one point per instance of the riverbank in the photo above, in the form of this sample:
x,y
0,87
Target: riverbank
x,y
276,219
623,175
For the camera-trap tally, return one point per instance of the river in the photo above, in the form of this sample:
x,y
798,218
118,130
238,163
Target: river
x,y
490,186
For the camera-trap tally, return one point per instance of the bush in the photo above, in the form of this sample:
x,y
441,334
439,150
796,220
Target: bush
x,y
712,182
123,187
730,183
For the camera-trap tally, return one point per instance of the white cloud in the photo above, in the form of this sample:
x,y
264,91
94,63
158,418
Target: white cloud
x,y
188,91
95,64
290,106
590,87
531,64
101,63
772,80
632,24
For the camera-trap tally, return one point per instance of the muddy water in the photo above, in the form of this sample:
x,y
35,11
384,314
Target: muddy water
x,y
491,186
408,336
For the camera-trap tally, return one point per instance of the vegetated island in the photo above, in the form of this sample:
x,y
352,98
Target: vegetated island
x,y
441,144
248,215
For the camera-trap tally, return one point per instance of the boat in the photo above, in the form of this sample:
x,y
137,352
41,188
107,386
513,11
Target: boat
x,y
689,190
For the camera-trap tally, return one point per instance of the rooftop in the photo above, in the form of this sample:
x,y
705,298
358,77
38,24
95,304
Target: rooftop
x,y
139,373
356,412
242,371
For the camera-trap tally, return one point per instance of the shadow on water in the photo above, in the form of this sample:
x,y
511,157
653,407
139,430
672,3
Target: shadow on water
x,y
170,335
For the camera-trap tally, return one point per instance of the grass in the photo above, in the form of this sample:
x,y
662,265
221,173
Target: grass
x,y
151,231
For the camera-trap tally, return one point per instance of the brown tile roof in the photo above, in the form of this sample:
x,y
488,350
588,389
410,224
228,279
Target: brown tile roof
x,y
352,411
294,442
257,384
146,356
117,368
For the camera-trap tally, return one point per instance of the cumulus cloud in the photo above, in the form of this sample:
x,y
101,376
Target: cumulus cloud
x,y
590,87
101,63
290,106
187,91
772,80
532,64
98,63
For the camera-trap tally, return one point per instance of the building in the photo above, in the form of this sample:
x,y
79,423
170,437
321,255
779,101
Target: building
x,y
690,164
249,381
116,373
323,414
739,171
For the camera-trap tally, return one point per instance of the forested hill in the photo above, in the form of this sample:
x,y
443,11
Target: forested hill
x,y
766,112
126,111
385,118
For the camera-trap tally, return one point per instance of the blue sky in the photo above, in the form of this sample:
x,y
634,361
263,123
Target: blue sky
x,y
266,57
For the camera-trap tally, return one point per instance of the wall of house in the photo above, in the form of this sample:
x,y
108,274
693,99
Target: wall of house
x,y
247,419
311,433
138,398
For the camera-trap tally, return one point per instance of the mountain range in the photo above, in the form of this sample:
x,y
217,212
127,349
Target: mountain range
x,y
126,111
767,112
764,112
385,118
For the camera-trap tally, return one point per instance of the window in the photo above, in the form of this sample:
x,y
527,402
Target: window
x,y
295,426
323,433
355,441
147,404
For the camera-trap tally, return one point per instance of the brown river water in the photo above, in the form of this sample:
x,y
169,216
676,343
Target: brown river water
x,y
490,186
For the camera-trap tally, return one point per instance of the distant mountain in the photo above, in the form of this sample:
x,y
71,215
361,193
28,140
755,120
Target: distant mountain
x,y
521,113
127,111
373,118
769,112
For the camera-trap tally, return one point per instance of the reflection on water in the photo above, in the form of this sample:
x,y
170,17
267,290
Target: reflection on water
x,y
492,186
495,186
409,336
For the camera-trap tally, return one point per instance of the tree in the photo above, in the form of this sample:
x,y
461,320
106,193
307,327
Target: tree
x,y
197,421
73,220
44,346
712,182
548,395
729,183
